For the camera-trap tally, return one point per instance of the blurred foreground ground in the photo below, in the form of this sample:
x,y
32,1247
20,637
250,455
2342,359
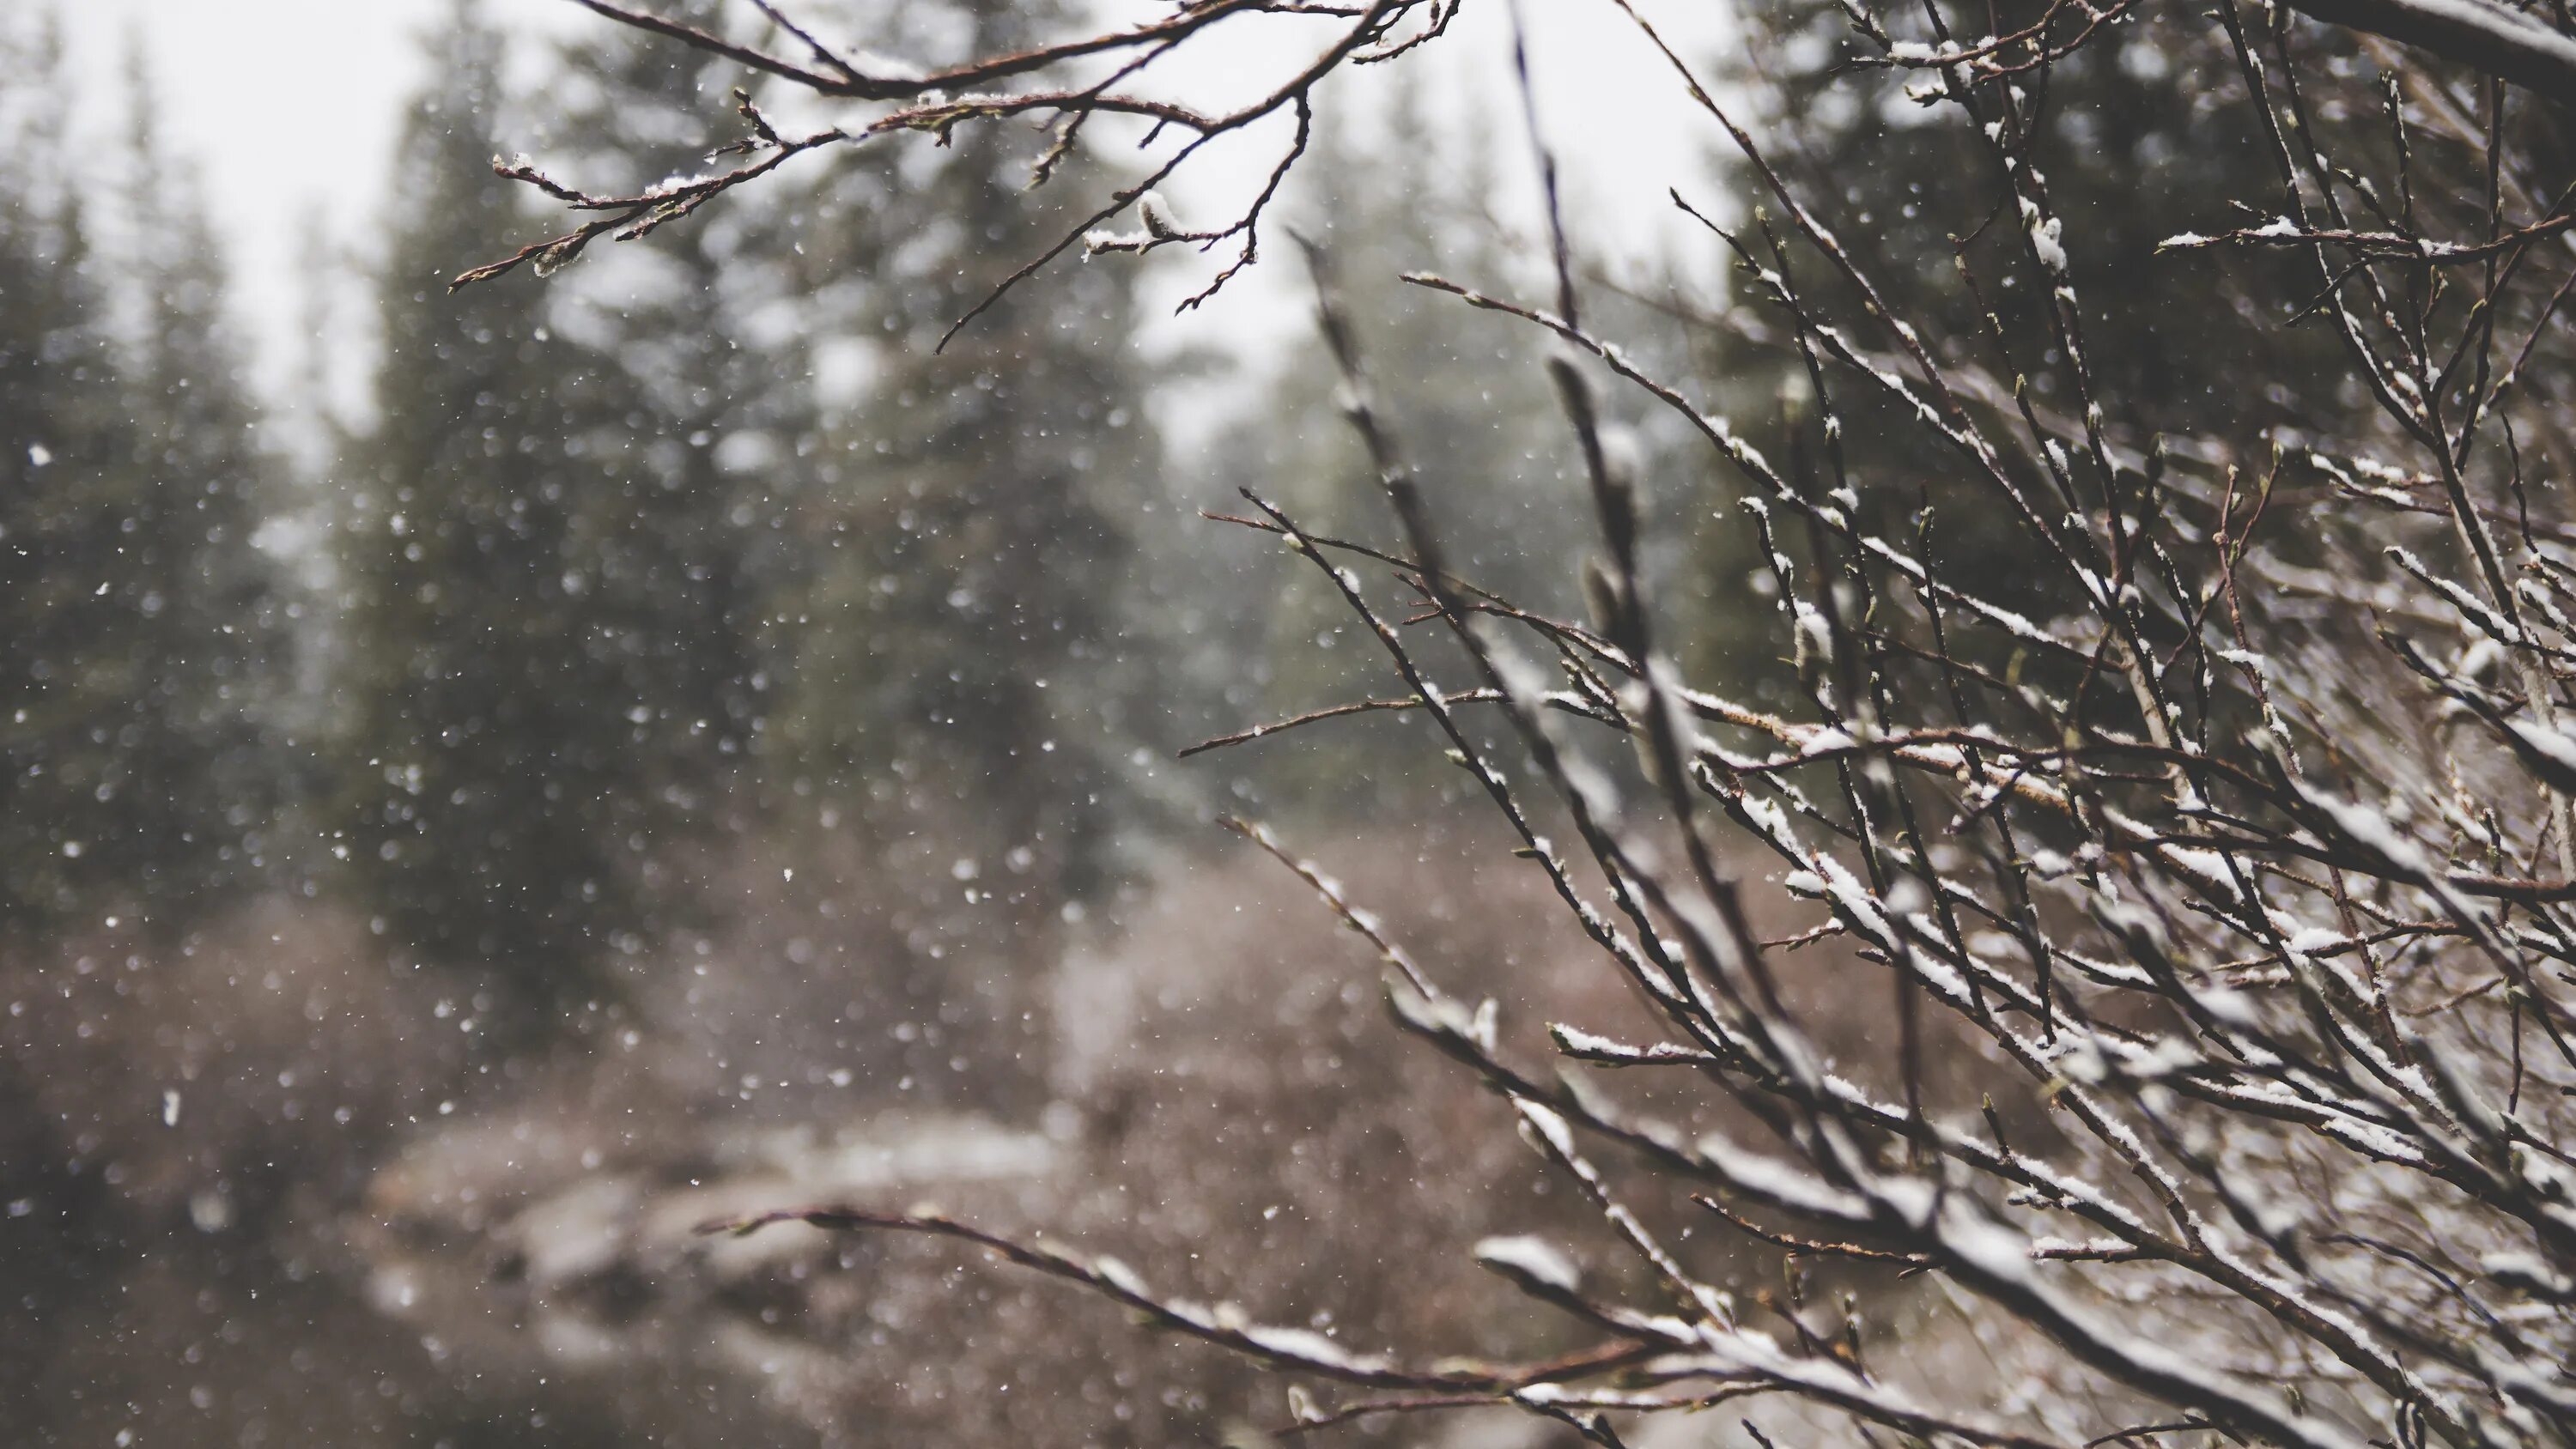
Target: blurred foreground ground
x,y
295,1210
263,1191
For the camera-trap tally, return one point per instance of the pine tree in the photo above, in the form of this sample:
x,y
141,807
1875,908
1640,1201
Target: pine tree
x,y
2132,150
519,755
131,595
700,403
956,701
959,637
2130,146
209,608
1469,406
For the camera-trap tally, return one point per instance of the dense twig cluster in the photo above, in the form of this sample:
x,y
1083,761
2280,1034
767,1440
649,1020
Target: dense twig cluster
x,y
641,214
2252,866
938,101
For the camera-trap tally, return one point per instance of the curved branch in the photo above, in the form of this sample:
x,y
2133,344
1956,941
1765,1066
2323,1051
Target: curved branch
x,y
2500,42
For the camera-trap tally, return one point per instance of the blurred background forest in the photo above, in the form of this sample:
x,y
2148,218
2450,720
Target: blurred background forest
x,y
687,746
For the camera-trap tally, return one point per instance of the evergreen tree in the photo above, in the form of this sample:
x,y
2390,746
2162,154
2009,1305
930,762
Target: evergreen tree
x,y
957,705
956,658
131,595
1471,409
210,608
2132,148
700,402
532,724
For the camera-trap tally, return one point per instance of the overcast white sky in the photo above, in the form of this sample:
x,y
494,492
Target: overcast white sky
x,y
288,109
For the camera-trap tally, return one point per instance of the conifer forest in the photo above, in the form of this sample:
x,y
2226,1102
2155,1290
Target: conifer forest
x,y
1254,723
